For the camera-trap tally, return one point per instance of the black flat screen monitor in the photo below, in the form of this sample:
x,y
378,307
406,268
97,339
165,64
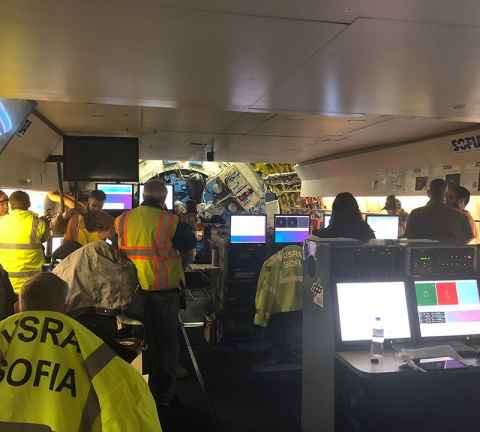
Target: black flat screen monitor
x,y
119,196
248,229
291,228
448,308
88,158
169,200
13,113
360,303
385,227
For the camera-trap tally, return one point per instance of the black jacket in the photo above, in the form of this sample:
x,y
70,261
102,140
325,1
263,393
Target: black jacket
x,y
437,221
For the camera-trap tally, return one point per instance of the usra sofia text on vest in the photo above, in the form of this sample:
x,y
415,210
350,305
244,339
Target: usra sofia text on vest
x,y
41,372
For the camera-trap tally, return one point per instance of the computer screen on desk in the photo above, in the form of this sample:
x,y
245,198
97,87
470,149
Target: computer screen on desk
x,y
448,308
248,229
119,196
360,303
385,227
326,220
291,228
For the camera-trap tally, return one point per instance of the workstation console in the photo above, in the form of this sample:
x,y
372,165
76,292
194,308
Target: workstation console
x,y
426,295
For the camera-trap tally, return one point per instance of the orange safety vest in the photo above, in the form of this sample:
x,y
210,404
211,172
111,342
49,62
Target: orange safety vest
x,y
145,234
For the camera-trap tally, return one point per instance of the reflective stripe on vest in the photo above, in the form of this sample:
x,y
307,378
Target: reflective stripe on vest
x,y
24,427
94,364
158,263
25,274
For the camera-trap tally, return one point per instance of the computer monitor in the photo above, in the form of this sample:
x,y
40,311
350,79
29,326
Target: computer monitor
x,y
248,229
119,196
326,220
291,228
360,303
385,227
56,243
448,308
168,201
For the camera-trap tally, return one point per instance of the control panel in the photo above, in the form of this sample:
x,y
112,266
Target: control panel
x,y
442,260
368,262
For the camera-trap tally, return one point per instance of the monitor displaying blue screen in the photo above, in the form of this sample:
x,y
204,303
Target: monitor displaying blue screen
x,y
119,196
248,229
291,228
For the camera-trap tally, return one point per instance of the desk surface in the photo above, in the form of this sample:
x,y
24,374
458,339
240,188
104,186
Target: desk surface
x,y
360,361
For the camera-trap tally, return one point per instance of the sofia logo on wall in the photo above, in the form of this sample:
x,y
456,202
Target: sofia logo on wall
x,y
466,143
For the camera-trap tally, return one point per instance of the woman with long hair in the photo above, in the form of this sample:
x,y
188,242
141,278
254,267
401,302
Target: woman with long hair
x,y
346,221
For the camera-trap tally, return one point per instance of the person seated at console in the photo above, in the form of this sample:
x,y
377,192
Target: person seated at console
x,y
346,221
56,375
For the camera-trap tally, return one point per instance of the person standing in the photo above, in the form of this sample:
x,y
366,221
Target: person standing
x,y
3,203
92,225
437,221
458,198
22,233
153,239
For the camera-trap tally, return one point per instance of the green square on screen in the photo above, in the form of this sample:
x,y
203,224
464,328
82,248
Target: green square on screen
x,y
426,294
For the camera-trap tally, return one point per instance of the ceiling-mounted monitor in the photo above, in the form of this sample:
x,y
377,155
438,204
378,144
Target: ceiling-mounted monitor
x,y
87,158
13,113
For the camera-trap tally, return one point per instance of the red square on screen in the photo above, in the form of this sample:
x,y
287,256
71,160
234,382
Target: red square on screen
x,y
447,293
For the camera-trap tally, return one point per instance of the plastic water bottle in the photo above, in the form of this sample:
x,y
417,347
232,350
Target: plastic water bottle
x,y
378,336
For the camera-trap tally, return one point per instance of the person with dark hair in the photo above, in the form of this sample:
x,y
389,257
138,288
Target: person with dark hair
x,y
93,224
458,198
3,203
437,221
70,379
22,233
346,221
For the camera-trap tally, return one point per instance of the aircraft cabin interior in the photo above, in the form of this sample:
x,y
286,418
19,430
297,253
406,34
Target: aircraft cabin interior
x,y
263,216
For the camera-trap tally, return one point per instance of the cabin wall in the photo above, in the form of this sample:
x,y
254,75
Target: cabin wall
x,y
22,163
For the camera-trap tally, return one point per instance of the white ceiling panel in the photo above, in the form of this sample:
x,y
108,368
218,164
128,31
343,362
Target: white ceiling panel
x,y
142,54
92,119
465,12
389,67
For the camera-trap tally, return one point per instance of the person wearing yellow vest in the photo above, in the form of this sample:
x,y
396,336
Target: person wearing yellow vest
x,y
92,225
57,376
22,233
153,239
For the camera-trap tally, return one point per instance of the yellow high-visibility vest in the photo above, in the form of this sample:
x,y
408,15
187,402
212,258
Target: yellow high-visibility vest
x,y
145,234
77,231
21,252
57,376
